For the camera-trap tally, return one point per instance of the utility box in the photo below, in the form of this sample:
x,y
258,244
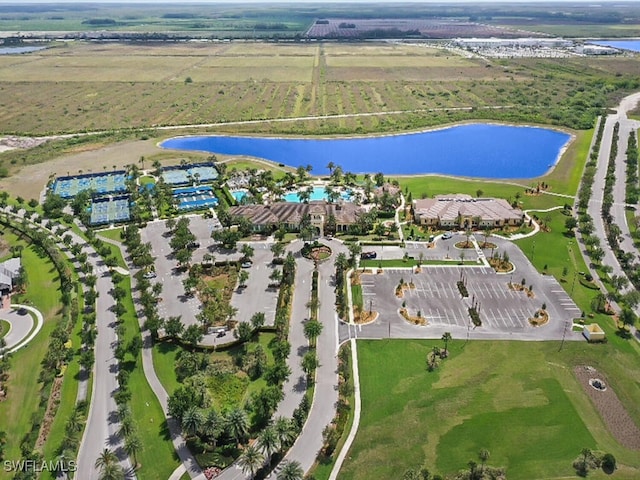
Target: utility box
x,y
593,333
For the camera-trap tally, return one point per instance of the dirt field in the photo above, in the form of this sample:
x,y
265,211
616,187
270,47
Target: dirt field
x,y
615,416
32,179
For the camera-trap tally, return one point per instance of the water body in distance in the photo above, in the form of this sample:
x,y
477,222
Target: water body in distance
x,y
17,50
471,150
633,45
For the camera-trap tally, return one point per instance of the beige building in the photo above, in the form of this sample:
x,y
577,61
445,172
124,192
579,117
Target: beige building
x,y
465,212
290,214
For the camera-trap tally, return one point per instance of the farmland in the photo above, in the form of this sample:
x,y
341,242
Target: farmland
x,y
74,87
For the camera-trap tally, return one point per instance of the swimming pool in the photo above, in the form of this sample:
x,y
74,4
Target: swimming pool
x,y
317,194
238,195
472,150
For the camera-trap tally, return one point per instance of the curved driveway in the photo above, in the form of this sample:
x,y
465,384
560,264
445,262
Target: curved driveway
x,y
20,326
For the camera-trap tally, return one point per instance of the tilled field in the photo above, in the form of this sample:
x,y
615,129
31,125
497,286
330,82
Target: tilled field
x,y
615,416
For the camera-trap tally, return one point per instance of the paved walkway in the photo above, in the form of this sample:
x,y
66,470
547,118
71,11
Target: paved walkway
x,y
22,329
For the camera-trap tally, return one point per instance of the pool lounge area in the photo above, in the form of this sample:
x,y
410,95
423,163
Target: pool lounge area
x,y
195,198
238,195
317,194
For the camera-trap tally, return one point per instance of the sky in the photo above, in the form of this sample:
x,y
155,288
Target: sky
x,y
177,2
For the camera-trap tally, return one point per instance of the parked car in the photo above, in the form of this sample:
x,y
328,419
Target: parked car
x,y
193,245
368,255
149,274
447,235
246,265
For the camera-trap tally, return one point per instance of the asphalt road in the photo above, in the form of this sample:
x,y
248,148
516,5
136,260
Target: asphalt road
x,y
595,204
323,410
296,385
102,421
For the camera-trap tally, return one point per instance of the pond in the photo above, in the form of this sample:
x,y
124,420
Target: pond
x,y
633,45
471,150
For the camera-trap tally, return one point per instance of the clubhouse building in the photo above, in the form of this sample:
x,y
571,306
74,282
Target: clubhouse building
x,y
265,218
465,212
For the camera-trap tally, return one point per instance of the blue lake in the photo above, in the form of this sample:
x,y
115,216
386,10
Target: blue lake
x,y
633,45
472,150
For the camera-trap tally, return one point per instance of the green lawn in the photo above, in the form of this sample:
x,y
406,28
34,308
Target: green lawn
x,y
165,355
356,296
147,180
225,391
69,393
158,458
23,386
4,328
111,234
520,400
401,263
430,185
244,164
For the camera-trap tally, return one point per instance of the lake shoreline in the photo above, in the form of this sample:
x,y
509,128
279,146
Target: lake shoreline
x,y
461,149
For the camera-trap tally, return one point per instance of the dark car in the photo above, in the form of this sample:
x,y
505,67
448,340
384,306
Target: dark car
x,y
368,255
193,245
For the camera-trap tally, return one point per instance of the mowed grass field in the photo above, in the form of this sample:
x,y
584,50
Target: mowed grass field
x,y
43,292
80,86
519,400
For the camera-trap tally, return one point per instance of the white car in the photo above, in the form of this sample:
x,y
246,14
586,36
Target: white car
x,y
447,235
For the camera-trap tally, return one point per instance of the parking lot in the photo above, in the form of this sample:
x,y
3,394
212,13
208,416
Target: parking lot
x,y
256,296
504,312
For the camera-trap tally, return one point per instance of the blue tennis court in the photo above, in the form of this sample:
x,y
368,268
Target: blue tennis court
x,y
194,198
183,175
102,183
110,210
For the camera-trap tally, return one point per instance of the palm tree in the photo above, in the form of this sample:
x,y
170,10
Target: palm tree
x,y
212,425
107,457
133,445
310,363
250,461
237,424
284,428
112,472
268,442
291,471
192,421
312,330
446,336
483,455
331,166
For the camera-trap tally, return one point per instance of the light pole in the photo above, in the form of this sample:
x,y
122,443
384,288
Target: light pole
x,y
533,251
